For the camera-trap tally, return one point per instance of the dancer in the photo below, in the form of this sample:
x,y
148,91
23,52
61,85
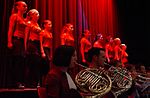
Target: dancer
x,y
32,48
109,49
16,33
117,50
85,45
124,55
46,47
99,42
67,35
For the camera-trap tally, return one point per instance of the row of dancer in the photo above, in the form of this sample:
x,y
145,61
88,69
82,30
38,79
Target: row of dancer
x,y
31,45
28,43
115,50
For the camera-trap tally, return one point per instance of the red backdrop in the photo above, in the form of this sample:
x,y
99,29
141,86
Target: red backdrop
x,y
99,16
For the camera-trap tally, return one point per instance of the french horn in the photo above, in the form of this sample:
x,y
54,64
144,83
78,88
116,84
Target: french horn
x,y
95,83
92,82
121,79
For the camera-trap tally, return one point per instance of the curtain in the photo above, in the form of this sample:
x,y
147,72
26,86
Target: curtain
x,y
99,16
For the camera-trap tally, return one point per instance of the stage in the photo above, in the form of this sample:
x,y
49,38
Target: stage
x,y
19,93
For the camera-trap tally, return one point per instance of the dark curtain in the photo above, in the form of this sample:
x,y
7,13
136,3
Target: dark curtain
x,y
99,16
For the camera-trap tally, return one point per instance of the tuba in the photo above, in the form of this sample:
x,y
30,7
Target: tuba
x,y
121,79
93,82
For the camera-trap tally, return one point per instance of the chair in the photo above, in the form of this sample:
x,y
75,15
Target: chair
x,y
42,92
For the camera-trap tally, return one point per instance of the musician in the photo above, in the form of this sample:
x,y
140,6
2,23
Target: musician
x,y
85,45
131,92
96,57
59,83
16,33
32,48
142,76
67,35
141,83
142,70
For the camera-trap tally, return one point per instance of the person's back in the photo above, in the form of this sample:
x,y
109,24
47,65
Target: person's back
x,y
58,82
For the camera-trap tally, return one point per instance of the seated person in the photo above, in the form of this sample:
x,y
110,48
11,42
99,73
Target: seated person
x,y
59,83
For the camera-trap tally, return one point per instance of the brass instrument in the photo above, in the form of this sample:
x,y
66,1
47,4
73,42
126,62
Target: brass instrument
x,y
121,79
94,83
143,82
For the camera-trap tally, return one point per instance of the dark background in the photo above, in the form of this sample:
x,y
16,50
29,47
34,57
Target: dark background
x,y
134,25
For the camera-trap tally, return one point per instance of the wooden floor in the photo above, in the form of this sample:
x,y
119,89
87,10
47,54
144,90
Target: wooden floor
x,y
19,93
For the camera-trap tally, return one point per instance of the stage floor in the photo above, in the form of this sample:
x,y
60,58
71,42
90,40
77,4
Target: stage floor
x,y
17,90
19,93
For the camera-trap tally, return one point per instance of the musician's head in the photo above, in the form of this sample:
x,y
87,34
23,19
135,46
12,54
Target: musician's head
x,y
65,56
142,69
148,74
97,56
